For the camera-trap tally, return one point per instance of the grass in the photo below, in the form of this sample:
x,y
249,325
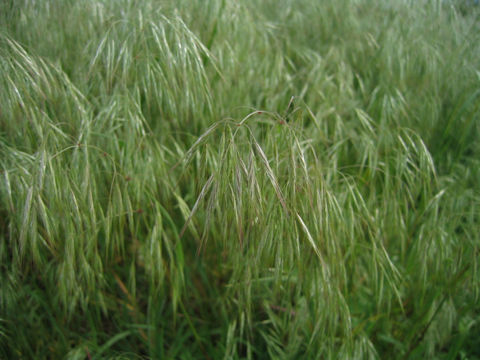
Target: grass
x,y
255,179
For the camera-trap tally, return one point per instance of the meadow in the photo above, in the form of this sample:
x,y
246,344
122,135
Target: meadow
x,y
226,179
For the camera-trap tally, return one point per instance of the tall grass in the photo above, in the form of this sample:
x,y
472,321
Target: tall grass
x,y
222,179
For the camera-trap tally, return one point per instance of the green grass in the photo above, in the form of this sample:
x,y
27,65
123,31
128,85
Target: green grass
x,y
162,195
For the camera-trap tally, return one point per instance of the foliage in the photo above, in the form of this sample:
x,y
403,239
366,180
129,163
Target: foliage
x,y
225,179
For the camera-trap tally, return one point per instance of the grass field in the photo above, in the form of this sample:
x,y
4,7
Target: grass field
x,y
230,179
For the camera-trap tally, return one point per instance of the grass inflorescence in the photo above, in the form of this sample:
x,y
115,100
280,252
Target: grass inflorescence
x,y
239,179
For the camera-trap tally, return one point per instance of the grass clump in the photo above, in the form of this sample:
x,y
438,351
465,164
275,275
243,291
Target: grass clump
x,y
229,179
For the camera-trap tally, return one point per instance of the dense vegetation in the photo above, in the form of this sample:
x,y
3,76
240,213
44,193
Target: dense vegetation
x,y
239,179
